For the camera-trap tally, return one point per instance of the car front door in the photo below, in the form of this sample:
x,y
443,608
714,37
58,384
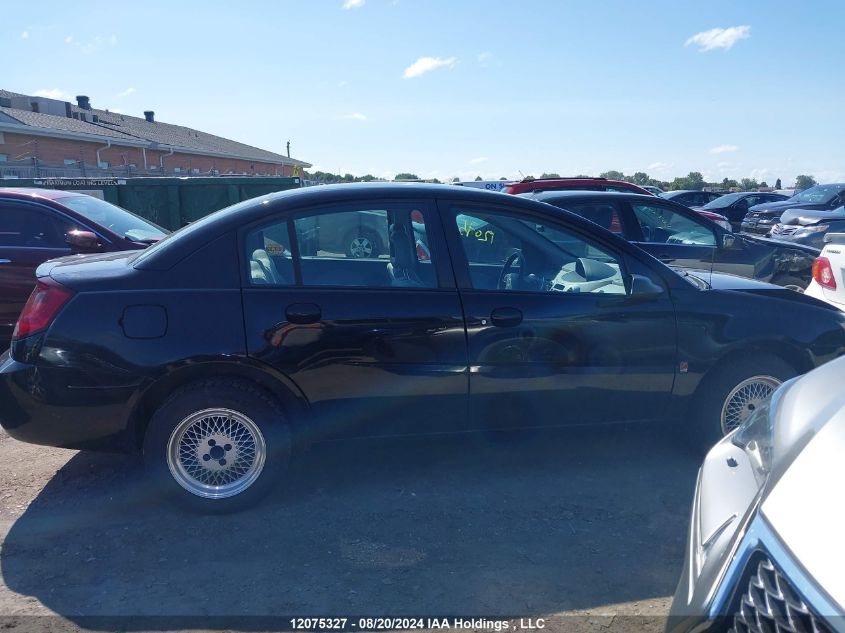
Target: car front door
x,y
374,340
29,235
676,237
555,335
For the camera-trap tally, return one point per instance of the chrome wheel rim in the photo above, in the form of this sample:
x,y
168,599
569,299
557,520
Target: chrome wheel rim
x,y
216,453
744,399
361,247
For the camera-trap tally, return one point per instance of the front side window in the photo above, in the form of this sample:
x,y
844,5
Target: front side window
x,y
377,246
25,227
115,219
662,225
510,253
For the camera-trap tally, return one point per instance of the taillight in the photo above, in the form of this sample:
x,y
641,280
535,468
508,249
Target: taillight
x,y
41,308
823,273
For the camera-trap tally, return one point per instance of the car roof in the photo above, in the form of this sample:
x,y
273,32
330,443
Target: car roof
x,y
543,196
32,192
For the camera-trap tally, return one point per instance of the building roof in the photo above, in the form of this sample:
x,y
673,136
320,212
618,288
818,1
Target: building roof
x,y
139,131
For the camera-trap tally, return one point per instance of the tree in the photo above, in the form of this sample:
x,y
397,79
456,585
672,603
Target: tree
x,y
613,175
640,178
764,184
502,178
777,184
729,183
406,176
456,179
748,184
804,182
550,174
694,180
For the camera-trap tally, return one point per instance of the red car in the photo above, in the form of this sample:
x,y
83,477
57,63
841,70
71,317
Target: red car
x,y
41,224
532,185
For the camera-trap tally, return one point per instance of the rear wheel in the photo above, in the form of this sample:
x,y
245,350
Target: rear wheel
x,y
728,397
363,243
217,446
792,283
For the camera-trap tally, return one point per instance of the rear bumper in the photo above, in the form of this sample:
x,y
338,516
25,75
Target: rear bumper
x,y
816,291
38,407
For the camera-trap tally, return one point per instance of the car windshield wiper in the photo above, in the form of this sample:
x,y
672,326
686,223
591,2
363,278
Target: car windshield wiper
x,y
693,279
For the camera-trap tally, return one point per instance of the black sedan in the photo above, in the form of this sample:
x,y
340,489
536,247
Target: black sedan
x,y
761,218
691,197
734,206
679,236
221,348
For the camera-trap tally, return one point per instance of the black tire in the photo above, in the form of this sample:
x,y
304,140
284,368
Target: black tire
x,y
248,403
706,419
363,233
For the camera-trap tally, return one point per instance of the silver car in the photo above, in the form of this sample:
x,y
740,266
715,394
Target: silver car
x,y
766,545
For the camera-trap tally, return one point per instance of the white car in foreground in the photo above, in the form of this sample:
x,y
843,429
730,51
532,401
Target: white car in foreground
x,y
828,282
765,551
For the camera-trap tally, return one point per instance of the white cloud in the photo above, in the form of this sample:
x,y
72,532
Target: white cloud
x,y
126,92
354,116
721,149
24,35
426,64
476,161
341,84
484,57
719,38
724,165
759,173
113,40
53,93
659,166
353,4
68,40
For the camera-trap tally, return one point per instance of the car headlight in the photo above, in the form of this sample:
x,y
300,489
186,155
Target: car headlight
x,y
809,230
756,436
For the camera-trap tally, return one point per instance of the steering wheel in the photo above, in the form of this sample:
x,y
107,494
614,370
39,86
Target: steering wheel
x,y
516,256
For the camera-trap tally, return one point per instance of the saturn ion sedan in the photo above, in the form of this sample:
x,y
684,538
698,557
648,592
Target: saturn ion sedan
x,y
230,342
765,540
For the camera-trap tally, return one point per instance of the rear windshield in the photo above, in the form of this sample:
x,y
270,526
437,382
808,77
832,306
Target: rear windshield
x,y
115,219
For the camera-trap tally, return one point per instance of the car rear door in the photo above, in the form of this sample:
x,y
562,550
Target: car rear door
x,y
676,236
558,338
376,342
30,234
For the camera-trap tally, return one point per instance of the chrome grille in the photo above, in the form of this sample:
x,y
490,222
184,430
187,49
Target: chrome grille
x,y
784,229
772,605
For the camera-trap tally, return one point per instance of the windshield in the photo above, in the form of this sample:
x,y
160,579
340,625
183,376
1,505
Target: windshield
x,y
817,195
723,202
115,219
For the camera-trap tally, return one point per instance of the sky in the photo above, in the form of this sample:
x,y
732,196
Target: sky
x,y
464,88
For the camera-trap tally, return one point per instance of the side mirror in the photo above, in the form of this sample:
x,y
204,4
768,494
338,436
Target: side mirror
x,y
83,241
644,287
727,240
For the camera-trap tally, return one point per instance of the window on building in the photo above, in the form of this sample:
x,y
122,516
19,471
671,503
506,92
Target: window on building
x,y
177,169
104,164
70,161
4,158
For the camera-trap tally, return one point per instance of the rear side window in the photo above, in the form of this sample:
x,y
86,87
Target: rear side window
x,y
374,246
603,214
28,227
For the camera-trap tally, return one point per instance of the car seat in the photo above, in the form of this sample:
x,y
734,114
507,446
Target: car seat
x,y
402,258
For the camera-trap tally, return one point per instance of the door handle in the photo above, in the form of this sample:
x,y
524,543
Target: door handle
x,y
303,313
505,317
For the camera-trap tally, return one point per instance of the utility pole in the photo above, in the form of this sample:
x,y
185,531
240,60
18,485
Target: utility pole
x,y
288,149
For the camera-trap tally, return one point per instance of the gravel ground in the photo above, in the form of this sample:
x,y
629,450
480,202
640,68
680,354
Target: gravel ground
x,y
583,528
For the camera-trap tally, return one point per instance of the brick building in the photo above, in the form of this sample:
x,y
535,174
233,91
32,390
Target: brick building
x,y
41,137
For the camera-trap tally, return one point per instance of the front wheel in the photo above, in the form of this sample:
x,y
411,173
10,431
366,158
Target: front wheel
x,y
728,397
217,446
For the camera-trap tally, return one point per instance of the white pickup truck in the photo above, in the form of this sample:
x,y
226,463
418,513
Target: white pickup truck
x,y
828,282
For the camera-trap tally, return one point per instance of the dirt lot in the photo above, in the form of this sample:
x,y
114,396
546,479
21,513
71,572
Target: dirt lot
x,y
579,522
